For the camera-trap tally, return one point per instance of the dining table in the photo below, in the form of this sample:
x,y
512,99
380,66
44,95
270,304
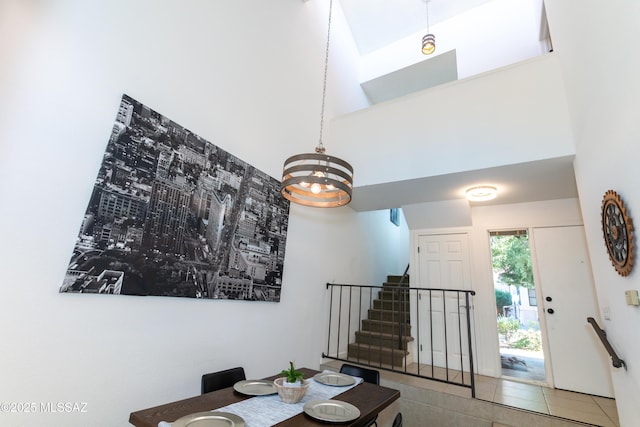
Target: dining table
x,y
370,399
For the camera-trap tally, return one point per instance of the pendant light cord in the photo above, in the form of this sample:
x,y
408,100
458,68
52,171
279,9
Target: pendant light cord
x,y
316,179
320,147
426,3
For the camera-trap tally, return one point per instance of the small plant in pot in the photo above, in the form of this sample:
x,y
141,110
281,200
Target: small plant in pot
x,y
293,377
292,386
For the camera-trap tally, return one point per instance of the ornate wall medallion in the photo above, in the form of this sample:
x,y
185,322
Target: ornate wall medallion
x,y
617,228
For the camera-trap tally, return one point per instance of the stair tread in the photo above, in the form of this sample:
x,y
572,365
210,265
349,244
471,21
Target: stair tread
x,y
388,298
385,322
382,334
378,348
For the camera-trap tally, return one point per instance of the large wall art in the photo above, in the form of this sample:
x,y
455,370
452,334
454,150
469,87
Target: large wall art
x,y
171,214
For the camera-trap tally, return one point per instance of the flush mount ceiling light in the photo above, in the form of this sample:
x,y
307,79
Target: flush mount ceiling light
x,y
481,193
316,179
429,40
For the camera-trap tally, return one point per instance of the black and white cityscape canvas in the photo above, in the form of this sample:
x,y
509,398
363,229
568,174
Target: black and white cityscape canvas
x,y
171,214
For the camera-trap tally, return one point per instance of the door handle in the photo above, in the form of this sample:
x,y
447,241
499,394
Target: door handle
x,y
550,311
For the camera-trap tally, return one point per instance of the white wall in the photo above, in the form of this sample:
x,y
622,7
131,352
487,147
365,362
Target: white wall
x,y
601,75
243,87
513,115
448,213
383,252
486,37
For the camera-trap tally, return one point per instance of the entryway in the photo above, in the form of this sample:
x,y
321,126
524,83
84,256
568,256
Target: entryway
x,y
562,267
521,351
559,285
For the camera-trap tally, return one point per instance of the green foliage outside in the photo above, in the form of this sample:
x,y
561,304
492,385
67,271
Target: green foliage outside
x,y
512,259
527,340
503,298
507,327
515,337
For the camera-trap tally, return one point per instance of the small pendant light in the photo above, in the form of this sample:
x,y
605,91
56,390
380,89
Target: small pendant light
x,y
429,40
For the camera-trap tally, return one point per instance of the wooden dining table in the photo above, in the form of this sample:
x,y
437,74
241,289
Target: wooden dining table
x,y
370,399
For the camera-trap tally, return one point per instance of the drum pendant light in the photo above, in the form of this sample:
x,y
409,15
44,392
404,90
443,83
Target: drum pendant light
x,y
429,40
317,179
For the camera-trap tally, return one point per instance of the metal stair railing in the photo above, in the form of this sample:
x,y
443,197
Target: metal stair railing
x,y
449,346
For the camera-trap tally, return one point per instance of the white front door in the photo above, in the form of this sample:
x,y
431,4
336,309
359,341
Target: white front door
x,y
443,263
579,362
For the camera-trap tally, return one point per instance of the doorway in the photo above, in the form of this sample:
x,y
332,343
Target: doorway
x,y
520,335
443,263
567,296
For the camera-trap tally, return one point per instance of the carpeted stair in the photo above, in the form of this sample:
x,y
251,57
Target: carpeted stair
x,y
384,336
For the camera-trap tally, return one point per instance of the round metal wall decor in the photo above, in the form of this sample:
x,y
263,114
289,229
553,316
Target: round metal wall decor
x,y
617,228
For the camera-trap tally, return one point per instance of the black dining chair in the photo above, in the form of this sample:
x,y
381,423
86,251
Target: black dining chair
x,y
368,375
397,422
222,379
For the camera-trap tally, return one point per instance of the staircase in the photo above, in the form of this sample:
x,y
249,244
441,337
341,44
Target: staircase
x,y
384,336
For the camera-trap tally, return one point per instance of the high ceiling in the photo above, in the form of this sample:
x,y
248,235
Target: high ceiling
x,y
548,179
377,23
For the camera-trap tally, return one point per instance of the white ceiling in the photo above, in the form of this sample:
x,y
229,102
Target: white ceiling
x,y
377,23
540,180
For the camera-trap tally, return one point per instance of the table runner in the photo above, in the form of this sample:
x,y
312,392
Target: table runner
x,y
262,411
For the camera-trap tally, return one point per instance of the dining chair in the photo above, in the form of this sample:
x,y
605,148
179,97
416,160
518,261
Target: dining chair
x,y
368,375
397,421
222,379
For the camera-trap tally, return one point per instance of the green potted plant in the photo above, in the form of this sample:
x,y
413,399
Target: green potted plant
x,y
292,375
291,386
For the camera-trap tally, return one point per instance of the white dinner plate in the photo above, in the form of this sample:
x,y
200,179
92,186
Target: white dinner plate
x,y
209,419
332,411
255,387
334,378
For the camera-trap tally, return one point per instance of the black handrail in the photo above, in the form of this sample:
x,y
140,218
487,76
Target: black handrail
x,y
404,275
615,360
403,304
440,325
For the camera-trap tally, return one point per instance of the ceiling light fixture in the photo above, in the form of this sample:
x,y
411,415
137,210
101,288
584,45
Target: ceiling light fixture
x,y
429,40
481,193
316,179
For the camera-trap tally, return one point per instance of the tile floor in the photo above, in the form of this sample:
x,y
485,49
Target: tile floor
x,y
592,410
573,406
589,409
